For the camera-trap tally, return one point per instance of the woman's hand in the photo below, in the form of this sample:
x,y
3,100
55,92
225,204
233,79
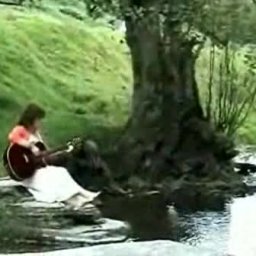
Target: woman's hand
x,y
35,150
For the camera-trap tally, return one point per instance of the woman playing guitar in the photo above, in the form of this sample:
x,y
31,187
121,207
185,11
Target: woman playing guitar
x,y
46,182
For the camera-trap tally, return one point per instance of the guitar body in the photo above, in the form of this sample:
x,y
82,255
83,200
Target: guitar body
x,y
20,162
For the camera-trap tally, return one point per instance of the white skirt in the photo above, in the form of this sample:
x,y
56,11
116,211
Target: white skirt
x,y
54,184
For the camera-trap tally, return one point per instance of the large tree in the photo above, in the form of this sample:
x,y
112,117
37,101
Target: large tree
x,y
167,122
167,132
166,115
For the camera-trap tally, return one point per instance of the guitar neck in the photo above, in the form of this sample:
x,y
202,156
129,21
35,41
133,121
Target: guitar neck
x,y
56,158
54,151
53,157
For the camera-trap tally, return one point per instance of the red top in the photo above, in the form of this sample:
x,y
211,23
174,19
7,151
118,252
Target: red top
x,y
18,133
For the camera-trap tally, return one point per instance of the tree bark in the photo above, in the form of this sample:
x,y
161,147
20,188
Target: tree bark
x,y
167,133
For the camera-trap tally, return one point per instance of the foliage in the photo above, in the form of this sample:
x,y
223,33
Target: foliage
x,y
98,8
231,90
230,20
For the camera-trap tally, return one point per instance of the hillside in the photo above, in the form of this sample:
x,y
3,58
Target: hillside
x,y
79,71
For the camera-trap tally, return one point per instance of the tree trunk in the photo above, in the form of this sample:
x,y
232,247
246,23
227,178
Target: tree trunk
x,y
167,134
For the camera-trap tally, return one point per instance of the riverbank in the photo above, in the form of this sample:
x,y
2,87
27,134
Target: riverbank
x,y
148,218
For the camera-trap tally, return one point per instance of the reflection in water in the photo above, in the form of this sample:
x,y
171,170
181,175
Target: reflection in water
x,y
148,216
150,220
209,230
232,230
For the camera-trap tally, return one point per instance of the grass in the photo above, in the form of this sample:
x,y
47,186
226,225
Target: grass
x,y
78,70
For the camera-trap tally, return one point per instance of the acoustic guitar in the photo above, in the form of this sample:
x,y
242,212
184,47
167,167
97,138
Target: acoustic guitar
x,y
21,163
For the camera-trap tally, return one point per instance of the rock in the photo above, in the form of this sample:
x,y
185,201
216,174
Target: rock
x,y
55,211
202,194
155,248
57,223
10,189
245,168
53,226
186,196
109,231
7,182
137,184
245,161
46,226
224,147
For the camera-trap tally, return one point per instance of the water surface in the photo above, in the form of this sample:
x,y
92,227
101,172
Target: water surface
x,y
150,220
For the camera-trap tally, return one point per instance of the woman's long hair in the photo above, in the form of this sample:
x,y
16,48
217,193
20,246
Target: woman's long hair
x,y
31,113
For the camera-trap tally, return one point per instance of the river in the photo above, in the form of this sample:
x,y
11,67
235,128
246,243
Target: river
x,y
208,230
204,229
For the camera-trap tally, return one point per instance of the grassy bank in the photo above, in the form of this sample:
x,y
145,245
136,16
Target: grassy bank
x,y
78,70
